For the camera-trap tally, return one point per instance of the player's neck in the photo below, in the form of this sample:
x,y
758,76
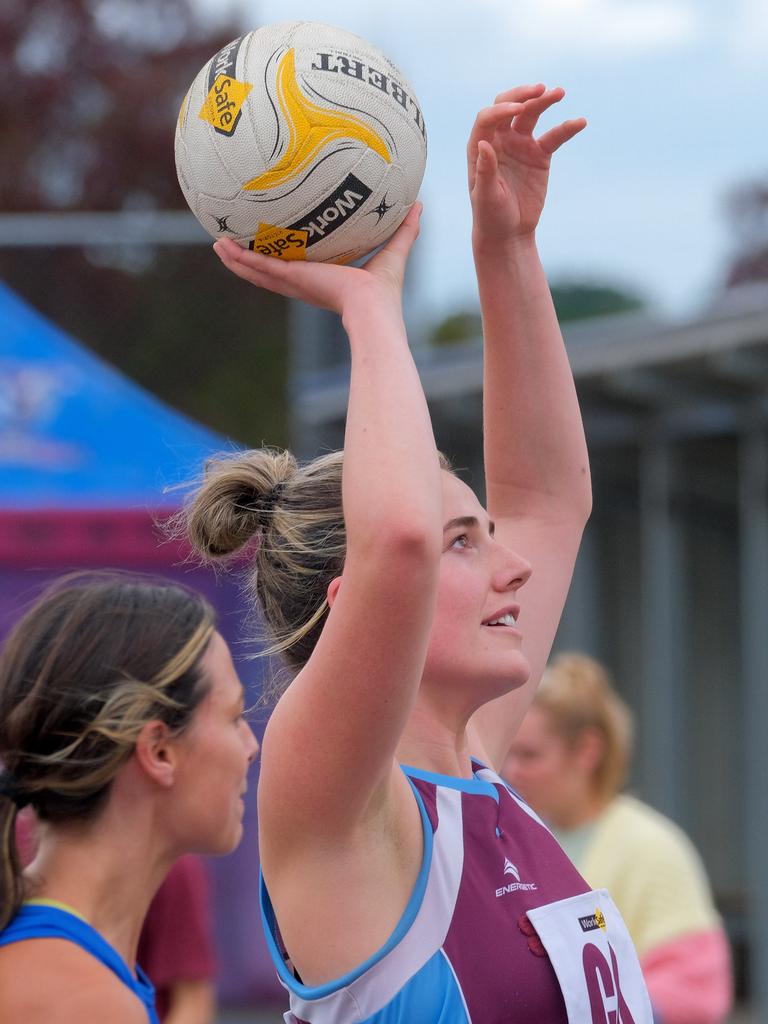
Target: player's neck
x,y
435,744
107,876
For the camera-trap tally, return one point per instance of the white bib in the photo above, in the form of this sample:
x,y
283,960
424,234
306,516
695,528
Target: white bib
x,y
594,960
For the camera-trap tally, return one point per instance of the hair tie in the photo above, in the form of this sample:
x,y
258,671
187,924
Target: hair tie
x,y
12,790
263,505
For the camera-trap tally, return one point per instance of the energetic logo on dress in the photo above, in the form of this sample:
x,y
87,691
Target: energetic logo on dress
x,y
517,885
510,869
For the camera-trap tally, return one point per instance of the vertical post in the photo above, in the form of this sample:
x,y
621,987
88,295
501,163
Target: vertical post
x,y
753,500
580,625
317,343
661,733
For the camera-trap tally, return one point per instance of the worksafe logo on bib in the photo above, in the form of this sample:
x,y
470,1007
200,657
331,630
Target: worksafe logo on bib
x,y
517,885
593,921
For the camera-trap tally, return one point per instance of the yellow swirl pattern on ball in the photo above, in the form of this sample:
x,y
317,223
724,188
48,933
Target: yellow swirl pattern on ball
x,y
311,128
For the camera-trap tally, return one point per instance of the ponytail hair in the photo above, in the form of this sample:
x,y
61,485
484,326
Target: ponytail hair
x,y
95,659
288,521
11,884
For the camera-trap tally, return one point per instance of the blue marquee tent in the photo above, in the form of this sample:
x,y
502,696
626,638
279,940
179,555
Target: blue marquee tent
x,y
88,462
76,433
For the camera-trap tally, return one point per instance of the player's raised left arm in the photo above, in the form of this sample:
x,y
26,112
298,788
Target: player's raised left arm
x,y
536,465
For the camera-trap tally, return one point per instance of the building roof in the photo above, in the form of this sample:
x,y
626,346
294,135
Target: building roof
x,y
705,375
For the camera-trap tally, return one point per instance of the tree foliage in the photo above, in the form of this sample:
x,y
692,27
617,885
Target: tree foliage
x,y
573,301
88,125
458,327
579,301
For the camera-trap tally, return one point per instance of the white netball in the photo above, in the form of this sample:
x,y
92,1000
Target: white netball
x,y
301,141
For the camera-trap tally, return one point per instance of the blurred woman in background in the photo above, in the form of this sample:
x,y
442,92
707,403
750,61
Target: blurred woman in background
x,y
570,759
121,724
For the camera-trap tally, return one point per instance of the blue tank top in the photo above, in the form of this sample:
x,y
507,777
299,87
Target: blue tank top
x,y
44,921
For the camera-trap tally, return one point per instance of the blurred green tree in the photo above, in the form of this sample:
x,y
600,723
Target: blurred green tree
x,y
88,125
458,327
573,301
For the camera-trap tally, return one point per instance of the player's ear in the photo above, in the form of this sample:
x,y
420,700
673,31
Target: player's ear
x,y
333,589
155,753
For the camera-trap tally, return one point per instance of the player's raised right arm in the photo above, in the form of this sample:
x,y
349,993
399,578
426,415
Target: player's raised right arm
x,y
331,740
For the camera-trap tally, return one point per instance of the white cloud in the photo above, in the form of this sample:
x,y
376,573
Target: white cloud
x,y
604,27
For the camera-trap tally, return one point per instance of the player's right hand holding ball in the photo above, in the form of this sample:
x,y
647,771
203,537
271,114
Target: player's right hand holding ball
x,y
329,285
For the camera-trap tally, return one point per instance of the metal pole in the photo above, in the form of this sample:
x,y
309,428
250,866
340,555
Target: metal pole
x,y
118,228
753,480
661,734
579,627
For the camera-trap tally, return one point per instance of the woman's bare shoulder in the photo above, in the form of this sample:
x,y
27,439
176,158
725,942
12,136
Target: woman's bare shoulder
x,y
53,981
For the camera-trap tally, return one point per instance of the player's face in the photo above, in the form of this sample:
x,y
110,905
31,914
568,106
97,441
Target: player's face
x,y
214,755
545,769
475,643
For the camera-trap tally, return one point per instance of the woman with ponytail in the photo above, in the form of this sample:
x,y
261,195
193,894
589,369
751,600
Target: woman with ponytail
x,y
121,726
403,881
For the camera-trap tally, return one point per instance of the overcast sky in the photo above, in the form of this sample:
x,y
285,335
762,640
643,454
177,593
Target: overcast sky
x,y
675,95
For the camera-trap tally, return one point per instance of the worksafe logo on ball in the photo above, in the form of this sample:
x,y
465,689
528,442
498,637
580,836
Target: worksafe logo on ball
x,y
287,243
334,210
291,243
223,104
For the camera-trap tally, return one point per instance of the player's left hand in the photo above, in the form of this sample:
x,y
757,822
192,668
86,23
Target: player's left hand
x,y
509,168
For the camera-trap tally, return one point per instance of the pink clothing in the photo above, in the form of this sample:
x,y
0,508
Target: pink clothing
x,y
690,978
658,881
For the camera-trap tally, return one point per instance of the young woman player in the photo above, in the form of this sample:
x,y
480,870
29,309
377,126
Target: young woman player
x,y
121,724
403,881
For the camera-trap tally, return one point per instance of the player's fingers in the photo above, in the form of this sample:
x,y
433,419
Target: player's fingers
x,y
401,242
226,247
486,166
263,271
520,93
486,123
534,108
408,231
489,118
235,257
555,137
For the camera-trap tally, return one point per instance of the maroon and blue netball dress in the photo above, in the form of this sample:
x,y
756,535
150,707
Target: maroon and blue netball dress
x,y
500,928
